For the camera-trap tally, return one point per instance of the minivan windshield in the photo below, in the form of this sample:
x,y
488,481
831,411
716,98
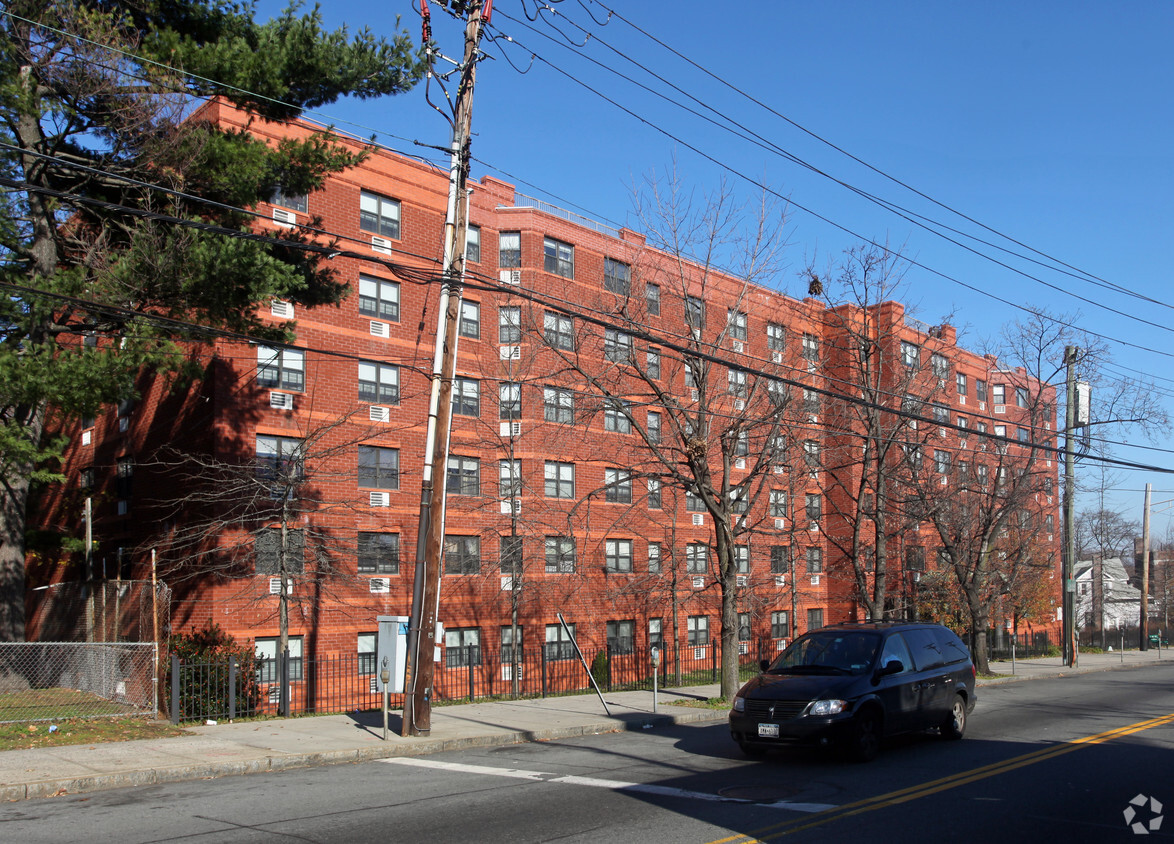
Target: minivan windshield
x,y
828,653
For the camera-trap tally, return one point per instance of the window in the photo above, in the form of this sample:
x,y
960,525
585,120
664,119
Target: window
x,y
86,478
960,380
509,400
940,365
654,430
736,324
693,502
776,337
470,324
743,627
910,354
379,215
742,559
560,555
1021,397
473,244
295,202
739,500
558,331
654,496
378,553
810,401
124,476
810,347
693,372
462,646
617,346
694,312
266,650
656,633
378,383
558,405
999,393
464,476
696,558
618,484
559,641
267,550
778,503
378,467
742,445
466,396
462,554
654,557
617,276
379,298
509,250
510,654
780,559
980,389
736,383
778,393
1024,435
281,368
814,506
365,647
509,479
814,560
779,626
616,416
510,555
941,461
618,554
814,618
698,631
558,257
811,454
982,473
621,637
560,479
652,364
279,461
941,413
509,324
652,298
963,471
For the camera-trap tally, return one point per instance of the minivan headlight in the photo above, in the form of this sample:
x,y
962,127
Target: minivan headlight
x,y
739,704
828,707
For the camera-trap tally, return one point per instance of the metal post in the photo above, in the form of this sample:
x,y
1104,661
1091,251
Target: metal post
x,y
174,688
232,688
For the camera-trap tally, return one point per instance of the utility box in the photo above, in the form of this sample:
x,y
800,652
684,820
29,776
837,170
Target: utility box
x,y
392,643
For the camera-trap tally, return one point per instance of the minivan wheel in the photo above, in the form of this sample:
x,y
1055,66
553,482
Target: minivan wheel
x,y
864,738
954,727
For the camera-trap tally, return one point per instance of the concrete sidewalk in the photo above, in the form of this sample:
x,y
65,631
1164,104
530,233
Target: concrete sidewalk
x,y
275,745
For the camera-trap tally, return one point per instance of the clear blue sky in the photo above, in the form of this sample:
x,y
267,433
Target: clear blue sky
x,y
1051,122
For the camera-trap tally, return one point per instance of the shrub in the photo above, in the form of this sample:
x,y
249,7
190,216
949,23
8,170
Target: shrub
x,y
599,669
204,690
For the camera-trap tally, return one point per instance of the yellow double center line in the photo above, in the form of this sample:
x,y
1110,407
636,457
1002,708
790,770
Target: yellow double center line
x,y
925,789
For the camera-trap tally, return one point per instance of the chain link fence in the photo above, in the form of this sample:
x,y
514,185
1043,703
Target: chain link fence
x,y
44,681
100,611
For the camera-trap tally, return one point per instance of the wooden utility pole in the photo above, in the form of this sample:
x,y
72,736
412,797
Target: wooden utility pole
x,y
1144,568
1069,552
430,539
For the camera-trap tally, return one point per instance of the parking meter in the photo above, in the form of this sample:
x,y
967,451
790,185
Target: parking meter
x,y
385,677
655,674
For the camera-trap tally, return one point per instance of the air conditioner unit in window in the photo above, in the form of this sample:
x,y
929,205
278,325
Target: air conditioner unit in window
x,y
743,647
379,585
87,437
275,586
374,685
780,470
776,357
283,217
699,582
942,480
511,429
739,462
510,352
813,526
698,518
699,653
281,401
380,329
693,394
739,346
780,580
378,413
281,308
507,583
742,580
511,506
739,404
780,524
507,671
510,276
1000,408
380,499
982,405
381,245
815,580
961,399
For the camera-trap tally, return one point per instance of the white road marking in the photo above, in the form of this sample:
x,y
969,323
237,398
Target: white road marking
x,y
592,782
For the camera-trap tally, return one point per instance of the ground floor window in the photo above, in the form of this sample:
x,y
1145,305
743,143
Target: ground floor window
x,y
266,650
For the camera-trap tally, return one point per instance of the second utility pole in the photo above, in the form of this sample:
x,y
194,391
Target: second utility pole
x,y
430,538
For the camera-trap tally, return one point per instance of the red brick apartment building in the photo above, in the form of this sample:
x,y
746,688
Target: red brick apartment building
x,y
591,368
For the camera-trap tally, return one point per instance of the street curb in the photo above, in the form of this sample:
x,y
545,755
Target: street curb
x,y
271,763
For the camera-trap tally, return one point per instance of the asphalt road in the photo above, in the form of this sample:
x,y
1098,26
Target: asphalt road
x,y
1048,759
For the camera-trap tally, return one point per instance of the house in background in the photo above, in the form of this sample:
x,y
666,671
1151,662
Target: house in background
x,y
1106,600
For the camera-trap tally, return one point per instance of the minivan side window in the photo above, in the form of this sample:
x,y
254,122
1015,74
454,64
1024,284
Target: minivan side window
x,y
924,647
895,648
951,646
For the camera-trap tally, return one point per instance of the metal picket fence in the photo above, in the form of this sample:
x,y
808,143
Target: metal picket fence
x,y
43,681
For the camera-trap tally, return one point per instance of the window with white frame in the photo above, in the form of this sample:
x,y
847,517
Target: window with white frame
x,y
295,202
462,646
463,476
696,558
1021,397
617,346
656,633
742,559
560,554
379,215
736,381
652,363
282,369
814,560
509,479
558,331
811,454
616,416
378,467
470,324
509,400
462,554
378,383
980,389
940,365
960,381
559,643
617,276
379,298
814,506
810,347
736,324
654,427
466,396
780,559
652,298
365,648
473,244
618,483
910,354
654,557
941,461
743,627
621,637
697,627
279,462
695,311
780,627
560,479
618,555
509,324
778,503
510,653
509,250
266,650
655,501
558,257
558,405
378,553
999,393
776,337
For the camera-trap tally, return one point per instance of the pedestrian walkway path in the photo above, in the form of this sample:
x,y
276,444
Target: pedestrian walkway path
x,y
258,746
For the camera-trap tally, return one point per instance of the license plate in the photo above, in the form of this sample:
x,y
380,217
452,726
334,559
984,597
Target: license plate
x,y
768,730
